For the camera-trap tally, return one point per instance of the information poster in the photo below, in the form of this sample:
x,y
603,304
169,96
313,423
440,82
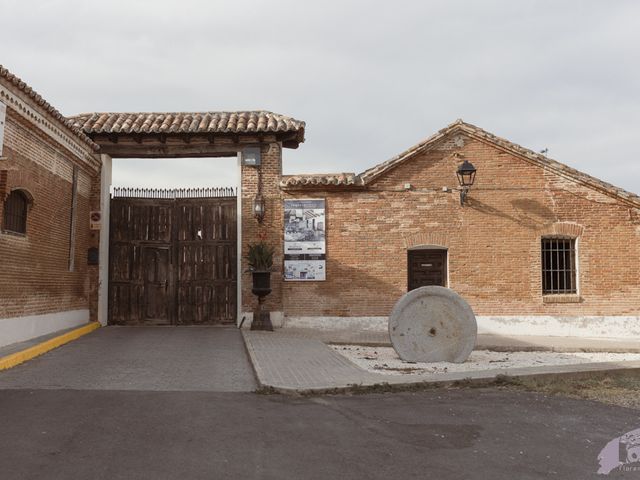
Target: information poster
x,y
304,240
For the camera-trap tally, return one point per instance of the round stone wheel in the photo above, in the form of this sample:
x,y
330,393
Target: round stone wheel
x,y
433,324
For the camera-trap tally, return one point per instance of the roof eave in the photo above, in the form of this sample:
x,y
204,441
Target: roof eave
x,y
47,108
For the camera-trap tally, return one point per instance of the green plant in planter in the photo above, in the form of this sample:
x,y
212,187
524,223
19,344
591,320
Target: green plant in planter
x,y
260,257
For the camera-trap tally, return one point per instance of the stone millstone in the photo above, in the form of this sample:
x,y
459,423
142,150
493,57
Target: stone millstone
x,y
433,324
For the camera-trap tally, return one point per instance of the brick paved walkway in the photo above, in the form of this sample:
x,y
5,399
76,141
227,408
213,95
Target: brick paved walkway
x,y
294,362
141,358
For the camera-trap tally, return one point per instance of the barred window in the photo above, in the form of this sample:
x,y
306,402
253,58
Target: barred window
x,y
558,265
15,212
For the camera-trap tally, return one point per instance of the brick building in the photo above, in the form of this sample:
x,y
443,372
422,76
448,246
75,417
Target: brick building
x,y
48,172
536,248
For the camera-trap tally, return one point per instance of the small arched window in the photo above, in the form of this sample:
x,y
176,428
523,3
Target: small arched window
x,y
15,212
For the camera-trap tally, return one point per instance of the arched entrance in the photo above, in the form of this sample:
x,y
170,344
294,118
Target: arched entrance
x,y
189,135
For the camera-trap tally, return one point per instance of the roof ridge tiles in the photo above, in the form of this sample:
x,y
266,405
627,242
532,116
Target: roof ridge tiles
x,y
242,121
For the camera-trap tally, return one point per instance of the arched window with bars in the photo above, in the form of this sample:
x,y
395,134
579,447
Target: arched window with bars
x,y
16,207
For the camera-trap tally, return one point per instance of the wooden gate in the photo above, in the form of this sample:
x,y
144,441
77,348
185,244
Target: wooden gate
x,y
173,257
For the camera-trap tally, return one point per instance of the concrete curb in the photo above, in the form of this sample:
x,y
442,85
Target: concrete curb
x,y
253,361
17,358
484,380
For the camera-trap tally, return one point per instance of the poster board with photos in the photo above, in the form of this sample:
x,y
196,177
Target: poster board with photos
x,y
304,240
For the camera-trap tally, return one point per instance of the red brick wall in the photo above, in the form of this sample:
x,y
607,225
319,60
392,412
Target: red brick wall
x,y
493,241
35,277
271,229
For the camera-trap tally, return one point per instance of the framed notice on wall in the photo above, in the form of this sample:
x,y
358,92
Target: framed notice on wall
x,y
95,220
304,240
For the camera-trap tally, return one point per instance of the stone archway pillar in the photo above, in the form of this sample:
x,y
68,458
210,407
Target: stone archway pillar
x,y
103,267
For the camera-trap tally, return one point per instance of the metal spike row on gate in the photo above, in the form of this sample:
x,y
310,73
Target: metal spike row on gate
x,y
171,193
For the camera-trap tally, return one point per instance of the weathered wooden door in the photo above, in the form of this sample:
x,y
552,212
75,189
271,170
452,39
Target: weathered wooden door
x,y
206,249
140,260
156,302
427,267
173,259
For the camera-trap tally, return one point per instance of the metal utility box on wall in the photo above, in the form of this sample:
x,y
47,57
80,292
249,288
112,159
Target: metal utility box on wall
x,y
3,113
251,156
93,256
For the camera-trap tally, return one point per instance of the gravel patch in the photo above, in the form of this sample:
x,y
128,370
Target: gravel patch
x,y
385,360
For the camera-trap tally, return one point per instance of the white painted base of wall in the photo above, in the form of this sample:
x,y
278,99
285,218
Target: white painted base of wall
x,y
277,319
367,324
20,329
627,327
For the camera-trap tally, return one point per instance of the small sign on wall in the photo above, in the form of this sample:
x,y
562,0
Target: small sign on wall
x,y
95,220
3,115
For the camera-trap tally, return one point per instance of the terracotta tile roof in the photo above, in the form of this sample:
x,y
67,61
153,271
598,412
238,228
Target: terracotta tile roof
x,y
368,176
46,106
189,122
329,179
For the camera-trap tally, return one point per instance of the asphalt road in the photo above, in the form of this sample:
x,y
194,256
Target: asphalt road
x,y
454,434
176,403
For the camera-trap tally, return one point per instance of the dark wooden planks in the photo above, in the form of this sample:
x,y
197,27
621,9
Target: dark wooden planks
x,y
173,261
427,267
207,279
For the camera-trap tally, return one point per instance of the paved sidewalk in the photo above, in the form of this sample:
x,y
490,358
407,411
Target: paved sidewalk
x,y
183,359
291,362
485,341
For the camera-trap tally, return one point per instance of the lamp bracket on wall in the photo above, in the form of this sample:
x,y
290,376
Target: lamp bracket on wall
x,y
463,194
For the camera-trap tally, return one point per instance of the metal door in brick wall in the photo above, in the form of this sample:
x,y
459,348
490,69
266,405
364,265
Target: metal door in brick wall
x,y
426,267
173,257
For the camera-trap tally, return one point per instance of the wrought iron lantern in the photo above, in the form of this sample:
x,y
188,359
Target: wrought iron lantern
x,y
466,174
259,207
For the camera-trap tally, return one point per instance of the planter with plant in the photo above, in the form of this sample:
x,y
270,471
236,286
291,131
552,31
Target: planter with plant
x,y
260,260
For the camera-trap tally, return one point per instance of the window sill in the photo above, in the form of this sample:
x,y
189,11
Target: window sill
x,y
562,298
13,234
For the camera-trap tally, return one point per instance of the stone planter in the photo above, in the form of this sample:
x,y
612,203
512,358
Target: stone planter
x,y
261,283
261,288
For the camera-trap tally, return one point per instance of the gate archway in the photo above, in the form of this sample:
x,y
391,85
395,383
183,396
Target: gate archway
x,y
173,257
128,135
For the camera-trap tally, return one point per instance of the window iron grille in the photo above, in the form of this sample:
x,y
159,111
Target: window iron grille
x,y
15,212
558,266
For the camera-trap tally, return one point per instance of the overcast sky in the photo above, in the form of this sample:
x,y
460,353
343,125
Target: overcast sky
x,y
369,78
